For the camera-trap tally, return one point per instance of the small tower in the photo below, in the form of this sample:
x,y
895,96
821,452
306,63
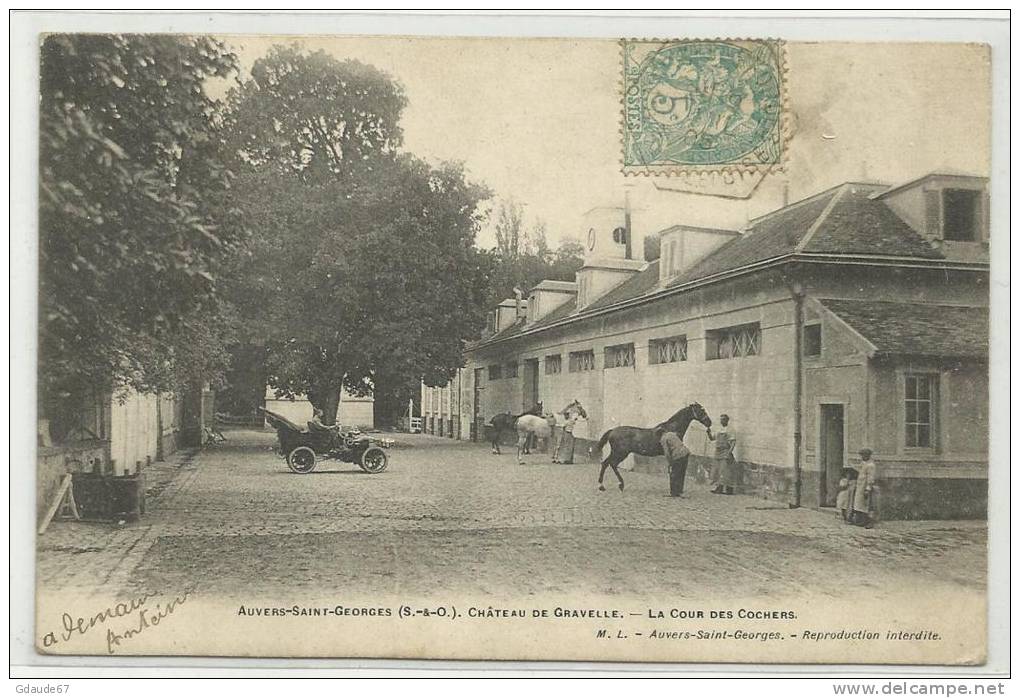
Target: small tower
x,y
608,257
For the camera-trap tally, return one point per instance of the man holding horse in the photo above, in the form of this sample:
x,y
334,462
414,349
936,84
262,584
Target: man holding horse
x,y
565,438
677,455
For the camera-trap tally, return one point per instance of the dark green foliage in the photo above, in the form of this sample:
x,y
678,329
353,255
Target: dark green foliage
x,y
132,227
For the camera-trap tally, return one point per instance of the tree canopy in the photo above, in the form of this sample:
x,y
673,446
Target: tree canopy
x,y
132,230
363,270
522,256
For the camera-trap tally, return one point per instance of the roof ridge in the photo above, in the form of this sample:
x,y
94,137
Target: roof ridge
x,y
796,204
803,243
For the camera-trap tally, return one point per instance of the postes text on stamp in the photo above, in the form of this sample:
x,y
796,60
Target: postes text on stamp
x,y
697,106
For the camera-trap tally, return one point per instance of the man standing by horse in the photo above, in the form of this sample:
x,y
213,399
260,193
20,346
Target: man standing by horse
x,y
565,437
677,455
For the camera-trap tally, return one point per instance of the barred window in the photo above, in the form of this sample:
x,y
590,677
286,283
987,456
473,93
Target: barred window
x,y
733,342
921,402
619,356
667,351
553,364
495,372
582,361
511,370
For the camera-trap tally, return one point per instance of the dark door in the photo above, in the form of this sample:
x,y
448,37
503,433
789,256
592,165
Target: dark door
x,y
477,417
831,451
530,391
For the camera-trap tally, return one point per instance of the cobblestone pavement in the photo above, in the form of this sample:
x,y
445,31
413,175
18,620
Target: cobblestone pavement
x,y
450,516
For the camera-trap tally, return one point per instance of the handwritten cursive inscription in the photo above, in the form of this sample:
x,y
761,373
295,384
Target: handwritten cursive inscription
x,y
147,617
81,626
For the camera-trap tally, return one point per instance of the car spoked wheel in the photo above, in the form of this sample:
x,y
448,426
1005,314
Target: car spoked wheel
x,y
301,460
374,460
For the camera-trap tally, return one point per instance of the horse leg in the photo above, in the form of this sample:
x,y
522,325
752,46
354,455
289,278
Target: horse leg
x,y
602,473
522,441
616,470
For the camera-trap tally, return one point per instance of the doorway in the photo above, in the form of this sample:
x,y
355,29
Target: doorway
x,y
530,392
831,451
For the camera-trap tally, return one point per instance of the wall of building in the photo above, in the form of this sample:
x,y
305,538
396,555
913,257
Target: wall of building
x,y
353,411
948,480
441,409
756,391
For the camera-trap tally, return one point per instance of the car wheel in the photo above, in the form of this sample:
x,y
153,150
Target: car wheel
x,y
374,460
301,460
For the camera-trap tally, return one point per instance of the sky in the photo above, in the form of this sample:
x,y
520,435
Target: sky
x,y
537,121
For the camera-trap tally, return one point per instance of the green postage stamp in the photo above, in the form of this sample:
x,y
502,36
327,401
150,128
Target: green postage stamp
x,y
702,106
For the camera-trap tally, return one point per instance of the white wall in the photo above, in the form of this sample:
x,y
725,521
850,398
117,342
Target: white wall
x,y
134,430
354,411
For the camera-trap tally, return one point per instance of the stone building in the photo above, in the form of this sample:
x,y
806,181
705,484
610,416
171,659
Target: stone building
x,y
857,317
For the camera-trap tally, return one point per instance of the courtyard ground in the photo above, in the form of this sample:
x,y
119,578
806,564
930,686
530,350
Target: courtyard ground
x,y
233,520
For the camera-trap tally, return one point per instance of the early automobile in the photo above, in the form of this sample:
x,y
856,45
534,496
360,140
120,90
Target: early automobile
x,y
303,448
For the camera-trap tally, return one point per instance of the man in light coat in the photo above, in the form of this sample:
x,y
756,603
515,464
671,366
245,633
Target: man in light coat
x,y
863,506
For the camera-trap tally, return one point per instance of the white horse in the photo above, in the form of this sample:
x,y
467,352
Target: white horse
x,y
528,425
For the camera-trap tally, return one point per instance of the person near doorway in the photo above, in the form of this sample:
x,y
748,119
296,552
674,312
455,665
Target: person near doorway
x,y
863,502
845,494
724,468
565,437
677,455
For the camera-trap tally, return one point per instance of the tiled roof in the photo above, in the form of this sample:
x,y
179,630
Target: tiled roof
x,y
772,236
857,224
638,284
844,220
917,329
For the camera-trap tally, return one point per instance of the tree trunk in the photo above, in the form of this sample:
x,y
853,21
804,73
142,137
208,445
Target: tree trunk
x,y
326,397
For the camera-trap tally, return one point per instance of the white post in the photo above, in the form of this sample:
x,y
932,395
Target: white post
x,y
410,413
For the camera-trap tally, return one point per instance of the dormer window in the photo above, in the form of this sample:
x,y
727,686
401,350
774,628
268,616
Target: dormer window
x,y
960,211
953,214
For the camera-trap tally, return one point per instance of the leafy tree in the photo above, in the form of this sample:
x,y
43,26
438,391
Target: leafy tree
x,y
522,256
132,238
363,271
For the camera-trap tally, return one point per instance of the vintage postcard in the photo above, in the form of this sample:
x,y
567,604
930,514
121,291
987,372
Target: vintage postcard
x,y
637,349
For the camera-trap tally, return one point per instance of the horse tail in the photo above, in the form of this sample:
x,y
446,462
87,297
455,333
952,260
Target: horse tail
x,y
602,441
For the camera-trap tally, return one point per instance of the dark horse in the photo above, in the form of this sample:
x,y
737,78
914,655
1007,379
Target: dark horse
x,y
504,422
646,442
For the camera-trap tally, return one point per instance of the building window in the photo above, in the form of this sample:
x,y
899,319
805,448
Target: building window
x,y
667,351
511,370
960,210
619,356
495,372
582,361
921,390
733,342
553,364
813,340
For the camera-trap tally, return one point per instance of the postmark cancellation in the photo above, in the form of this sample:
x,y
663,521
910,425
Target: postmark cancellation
x,y
697,106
